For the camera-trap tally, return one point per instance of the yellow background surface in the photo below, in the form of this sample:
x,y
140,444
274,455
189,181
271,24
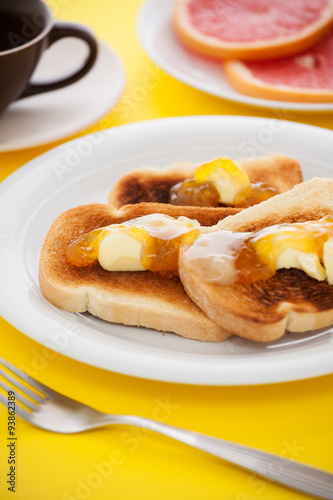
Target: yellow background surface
x,y
291,419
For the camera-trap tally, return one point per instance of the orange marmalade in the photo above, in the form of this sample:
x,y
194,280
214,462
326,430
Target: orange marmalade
x,y
157,239
227,257
221,181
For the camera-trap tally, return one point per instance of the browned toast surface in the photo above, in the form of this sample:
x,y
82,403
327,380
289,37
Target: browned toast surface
x,y
132,298
153,184
290,299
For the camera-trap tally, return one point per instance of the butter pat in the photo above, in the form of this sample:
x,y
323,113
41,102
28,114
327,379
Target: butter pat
x,y
118,251
288,259
226,189
311,265
328,260
124,248
227,176
307,262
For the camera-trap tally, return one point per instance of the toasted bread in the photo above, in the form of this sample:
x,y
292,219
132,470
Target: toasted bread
x,y
132,298
291,300
153,185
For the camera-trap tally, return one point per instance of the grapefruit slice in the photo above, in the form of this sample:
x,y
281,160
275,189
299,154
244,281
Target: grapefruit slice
x,y
251,29
307,77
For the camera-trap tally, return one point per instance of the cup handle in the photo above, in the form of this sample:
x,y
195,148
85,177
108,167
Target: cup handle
x,y
62,30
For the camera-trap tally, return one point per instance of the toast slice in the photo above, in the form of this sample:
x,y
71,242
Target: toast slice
x,y
149,184
132,298
290,299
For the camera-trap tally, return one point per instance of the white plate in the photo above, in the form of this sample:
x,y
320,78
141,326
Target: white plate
x,y
49,117
83,171
159,41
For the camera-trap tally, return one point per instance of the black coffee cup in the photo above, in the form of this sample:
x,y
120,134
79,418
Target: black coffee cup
x,y
26,30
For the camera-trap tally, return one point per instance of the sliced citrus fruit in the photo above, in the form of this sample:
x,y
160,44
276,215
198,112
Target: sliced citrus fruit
x,y
251,29
307,77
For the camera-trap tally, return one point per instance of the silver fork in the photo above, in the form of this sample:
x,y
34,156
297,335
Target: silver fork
x,y
54,412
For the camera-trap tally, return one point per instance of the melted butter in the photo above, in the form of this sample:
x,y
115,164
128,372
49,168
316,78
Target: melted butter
x,y
150,243
226,257
220,181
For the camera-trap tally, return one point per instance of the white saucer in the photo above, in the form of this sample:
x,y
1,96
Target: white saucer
x,y
159,41
52,116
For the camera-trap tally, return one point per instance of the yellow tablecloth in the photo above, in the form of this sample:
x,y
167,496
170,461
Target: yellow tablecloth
x,y
291,419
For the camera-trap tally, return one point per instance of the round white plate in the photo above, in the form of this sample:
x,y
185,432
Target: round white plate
x,y
49,117
159,41
83,171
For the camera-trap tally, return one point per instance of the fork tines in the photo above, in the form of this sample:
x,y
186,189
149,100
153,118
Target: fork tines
x,y
23,394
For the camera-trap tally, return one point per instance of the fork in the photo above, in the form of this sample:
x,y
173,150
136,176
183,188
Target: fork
x,y
55,412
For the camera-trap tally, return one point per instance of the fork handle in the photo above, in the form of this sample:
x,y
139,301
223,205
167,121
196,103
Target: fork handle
x,y
281,470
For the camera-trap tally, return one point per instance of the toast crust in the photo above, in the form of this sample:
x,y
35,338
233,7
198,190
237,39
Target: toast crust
x,y
132,298
290,299
153,185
